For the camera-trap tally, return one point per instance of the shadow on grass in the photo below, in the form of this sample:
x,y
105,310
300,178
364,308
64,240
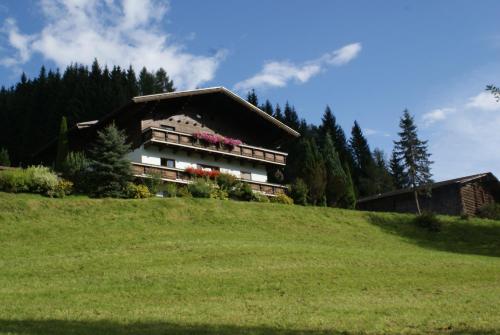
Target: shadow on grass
x,y
60,327
457,235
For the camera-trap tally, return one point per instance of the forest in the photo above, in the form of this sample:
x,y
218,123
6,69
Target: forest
x,y
326,165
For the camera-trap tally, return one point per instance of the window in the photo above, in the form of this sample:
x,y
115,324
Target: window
x,y
167,127
168,162
246,175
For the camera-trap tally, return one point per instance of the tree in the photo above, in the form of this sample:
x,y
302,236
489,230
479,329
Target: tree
x,y
109,169
163,83
329,125
291,118
494,90
397,171
62,144
336,181
299,192
147,82
364,165
383,179
268,108
349,199
277,113
252,98
412,153
4,157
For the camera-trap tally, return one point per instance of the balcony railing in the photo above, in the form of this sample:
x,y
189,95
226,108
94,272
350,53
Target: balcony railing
x,y
180,176
175,138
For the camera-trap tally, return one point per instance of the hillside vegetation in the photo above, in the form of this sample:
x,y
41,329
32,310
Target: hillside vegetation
x,y
182,266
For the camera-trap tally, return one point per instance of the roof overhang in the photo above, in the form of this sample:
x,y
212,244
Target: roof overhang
x,y
212,90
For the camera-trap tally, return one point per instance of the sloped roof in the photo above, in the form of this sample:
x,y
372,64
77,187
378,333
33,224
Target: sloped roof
x,y
212,90
461,180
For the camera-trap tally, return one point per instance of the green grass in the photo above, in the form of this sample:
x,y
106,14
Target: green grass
x,y
182,266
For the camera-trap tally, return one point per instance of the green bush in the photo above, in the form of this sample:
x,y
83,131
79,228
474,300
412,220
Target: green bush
x,y
282,198
153,182
226,181
201,188
34,179
63,188
299,192
491,211
75,168
183,192
4,157
428,221
135,191
260,197
241,191
170,190
218,193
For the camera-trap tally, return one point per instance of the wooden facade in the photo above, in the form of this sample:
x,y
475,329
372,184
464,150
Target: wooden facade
x,y
459,196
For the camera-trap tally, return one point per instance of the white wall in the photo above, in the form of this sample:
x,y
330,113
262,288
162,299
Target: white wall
x,y
153,156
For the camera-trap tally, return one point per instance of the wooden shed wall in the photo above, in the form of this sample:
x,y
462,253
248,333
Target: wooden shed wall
x,y
475,195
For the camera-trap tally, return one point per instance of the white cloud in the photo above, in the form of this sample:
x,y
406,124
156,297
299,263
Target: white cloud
x,y
124,33
483,101
279,74
436,115
372,132
465,140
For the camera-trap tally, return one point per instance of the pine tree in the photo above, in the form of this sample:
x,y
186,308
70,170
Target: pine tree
x,y
329,125
364,165
268,108
147,82
163,83
4,157
399,177
277,113
109,168
383,179
412,153
291,118
336,182
349,199
62,144
252,98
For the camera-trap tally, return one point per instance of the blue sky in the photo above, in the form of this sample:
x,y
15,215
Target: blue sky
x,y
369,60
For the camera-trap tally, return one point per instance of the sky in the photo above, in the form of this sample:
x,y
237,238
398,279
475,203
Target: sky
x,y
368,60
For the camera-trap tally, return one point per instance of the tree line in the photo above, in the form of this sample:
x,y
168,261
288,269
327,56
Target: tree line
x,y
325,167
32,109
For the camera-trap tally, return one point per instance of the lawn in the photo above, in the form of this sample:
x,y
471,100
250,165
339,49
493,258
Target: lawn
x,y
182,266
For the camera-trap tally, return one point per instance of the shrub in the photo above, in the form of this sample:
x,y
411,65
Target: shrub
x,y
241,191
183,192
260,197
201,188
42,180
491,211
282,198
299,192
170,190
428,221
134,191
63,188
75,168
226,181
153,182
14,181
4,157
218,193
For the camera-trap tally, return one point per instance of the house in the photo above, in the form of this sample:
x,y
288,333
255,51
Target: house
x,y
208,130
452,197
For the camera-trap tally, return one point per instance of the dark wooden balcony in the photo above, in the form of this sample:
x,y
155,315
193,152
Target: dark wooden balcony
x,y
188,141
181,177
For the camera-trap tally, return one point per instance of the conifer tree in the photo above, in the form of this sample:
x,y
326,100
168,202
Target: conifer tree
x,y
413,155
399,177
268,108
277,113
147,82
336,182
109,168
329,125
349,199
62,144
163,83
383,179
252,98
364,165
290,117
4,157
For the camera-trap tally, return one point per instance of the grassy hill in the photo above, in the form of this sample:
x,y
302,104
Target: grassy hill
x,y
181,266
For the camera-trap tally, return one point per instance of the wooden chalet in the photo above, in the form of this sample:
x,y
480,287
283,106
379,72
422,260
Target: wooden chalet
x,y
210,129
452,197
